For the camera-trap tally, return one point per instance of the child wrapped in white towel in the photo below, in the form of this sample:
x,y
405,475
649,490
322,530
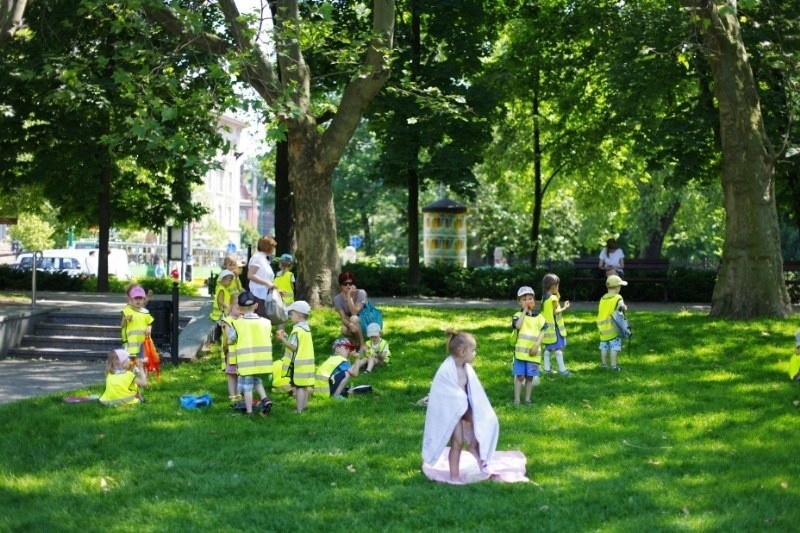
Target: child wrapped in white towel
x,y
459,410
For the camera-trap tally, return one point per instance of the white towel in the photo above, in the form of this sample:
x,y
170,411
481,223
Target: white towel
x,y
447,403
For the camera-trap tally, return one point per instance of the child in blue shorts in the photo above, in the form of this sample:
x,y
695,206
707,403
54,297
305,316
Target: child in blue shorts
x,y
529,329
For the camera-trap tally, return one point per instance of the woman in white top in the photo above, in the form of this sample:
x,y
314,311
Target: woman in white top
x,y
612,259
260,273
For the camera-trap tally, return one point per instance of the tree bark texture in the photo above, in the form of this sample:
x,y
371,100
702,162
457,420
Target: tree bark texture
x,y
750,282
317,253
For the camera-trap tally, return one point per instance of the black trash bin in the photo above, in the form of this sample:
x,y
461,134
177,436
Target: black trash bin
x,y
161,310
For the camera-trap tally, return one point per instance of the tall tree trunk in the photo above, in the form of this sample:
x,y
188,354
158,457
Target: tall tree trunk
x,y
538,191
655,242
104,214
413,231
750,282
284,200
317,251
412,204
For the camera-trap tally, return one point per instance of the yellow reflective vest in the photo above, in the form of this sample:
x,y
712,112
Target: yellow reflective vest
x,y
133,332
548,312
216,310
253,348
121,389
325,373
304,369
284,280
526,337
230,356
608,304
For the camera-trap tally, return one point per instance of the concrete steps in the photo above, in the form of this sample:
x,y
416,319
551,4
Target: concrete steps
x,y
80,336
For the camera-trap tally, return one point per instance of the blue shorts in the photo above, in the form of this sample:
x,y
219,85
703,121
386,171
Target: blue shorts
x,y
246,383
525,368
614,345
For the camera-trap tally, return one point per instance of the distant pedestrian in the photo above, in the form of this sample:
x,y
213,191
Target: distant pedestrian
x,y
612,259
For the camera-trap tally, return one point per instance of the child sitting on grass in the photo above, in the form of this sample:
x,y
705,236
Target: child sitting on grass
x,y
123,380
377,348
459,410
334,374
610,341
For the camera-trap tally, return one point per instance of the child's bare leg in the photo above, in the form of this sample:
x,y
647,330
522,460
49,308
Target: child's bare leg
x,y
603,355
261,391
248,401
560,361
528,388
517,388
613,359
301,394
232,385
454,457
546,358
342,385
370,363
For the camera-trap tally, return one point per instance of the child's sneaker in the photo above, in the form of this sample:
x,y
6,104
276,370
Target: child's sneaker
x,y
615,369
266,406
604,366
565,373
339,397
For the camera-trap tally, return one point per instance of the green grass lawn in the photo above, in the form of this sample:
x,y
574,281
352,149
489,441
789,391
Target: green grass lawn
x,y
698,432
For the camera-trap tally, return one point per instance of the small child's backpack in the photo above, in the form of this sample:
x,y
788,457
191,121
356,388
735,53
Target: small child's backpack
x,y
620,322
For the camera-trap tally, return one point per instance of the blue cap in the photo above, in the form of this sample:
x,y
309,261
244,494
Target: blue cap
x,y
287,258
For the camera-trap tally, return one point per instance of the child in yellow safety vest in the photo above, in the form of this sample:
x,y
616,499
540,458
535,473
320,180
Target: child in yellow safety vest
x,y
284,279
302,370
123,379
334,374
529,329
610,341
250,343
555,336
137,322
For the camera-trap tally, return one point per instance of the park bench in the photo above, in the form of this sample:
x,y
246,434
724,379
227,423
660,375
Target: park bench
x,y
636,270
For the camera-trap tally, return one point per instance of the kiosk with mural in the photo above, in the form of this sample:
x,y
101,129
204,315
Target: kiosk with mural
x,y
445,233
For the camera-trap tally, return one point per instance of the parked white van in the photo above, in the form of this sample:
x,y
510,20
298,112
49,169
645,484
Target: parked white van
x,y
76,262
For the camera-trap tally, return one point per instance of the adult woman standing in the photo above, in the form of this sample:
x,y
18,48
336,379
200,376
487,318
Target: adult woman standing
x,y
612,259
260,272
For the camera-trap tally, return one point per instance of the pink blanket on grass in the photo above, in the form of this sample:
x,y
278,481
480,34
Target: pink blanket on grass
x,y
504,467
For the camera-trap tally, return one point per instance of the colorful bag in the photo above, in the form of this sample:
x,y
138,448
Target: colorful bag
x,y
152,361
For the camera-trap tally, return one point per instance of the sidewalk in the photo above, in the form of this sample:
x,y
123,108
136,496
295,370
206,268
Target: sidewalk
x,y
21,379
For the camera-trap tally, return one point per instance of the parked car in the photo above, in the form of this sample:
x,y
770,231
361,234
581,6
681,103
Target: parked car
x,y
52,264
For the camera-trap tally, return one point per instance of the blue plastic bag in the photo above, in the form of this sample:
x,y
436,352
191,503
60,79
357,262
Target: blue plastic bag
x,y
370,314
190,401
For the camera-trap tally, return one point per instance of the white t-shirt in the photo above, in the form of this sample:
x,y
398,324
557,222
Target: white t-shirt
x,y
613,259
264,271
